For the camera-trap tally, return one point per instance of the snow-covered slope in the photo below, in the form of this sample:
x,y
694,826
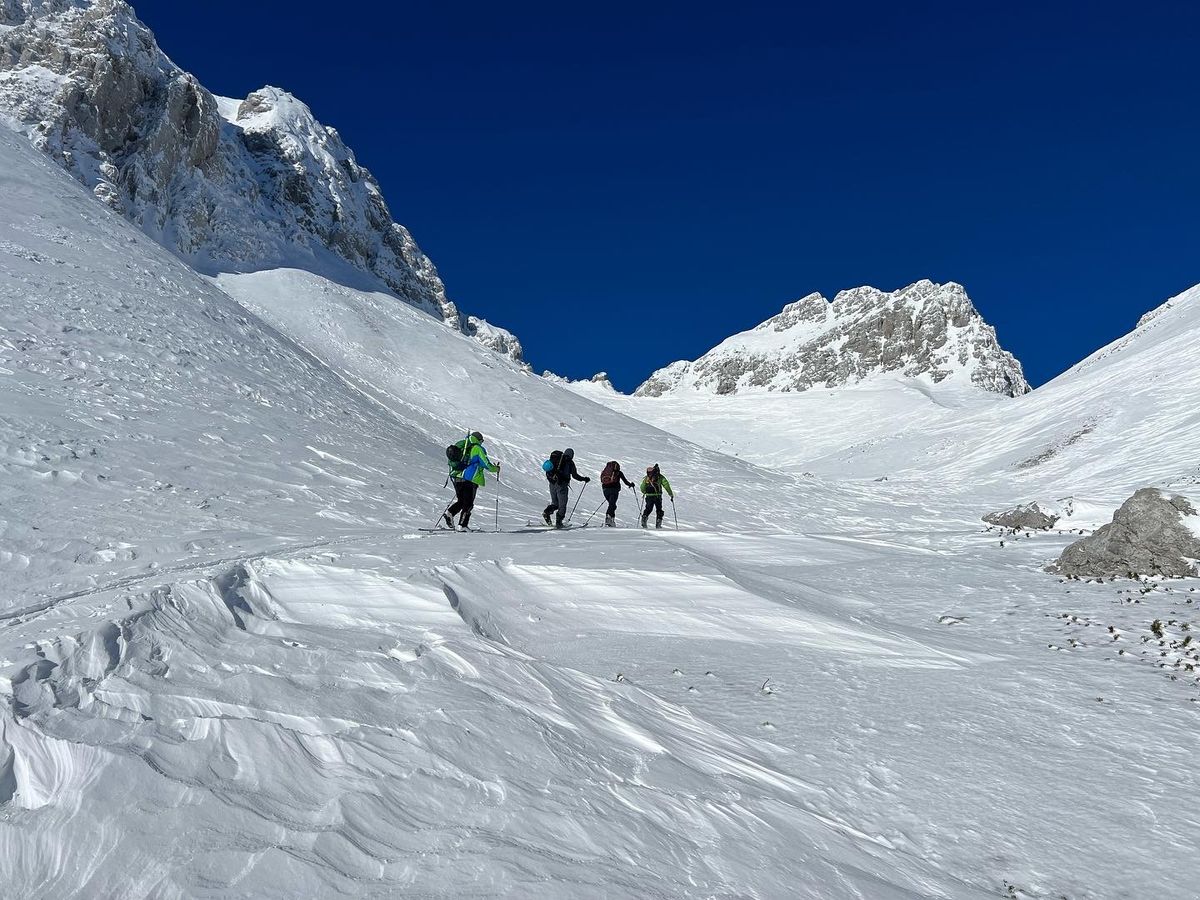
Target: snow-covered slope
x,y
829,432
928,331
228,185
232,664
147,394
1121,419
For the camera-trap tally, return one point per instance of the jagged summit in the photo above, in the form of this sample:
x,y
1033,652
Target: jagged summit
x,y
924,330
230,186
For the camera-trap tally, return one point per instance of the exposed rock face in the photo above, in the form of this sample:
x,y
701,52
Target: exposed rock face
x,y
499,340
228,186
1030,516
925,329
1151,534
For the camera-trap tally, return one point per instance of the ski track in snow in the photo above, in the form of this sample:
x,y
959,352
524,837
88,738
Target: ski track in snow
x,y
233,666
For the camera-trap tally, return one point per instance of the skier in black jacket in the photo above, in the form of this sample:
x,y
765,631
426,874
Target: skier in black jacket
x,y
559,476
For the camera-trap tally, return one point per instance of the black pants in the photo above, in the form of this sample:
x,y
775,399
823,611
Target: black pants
x,y
464,491
653,501
611,493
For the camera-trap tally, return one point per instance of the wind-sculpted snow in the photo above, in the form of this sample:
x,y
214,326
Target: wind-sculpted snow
x,y
925,330
228,185
386,718
336,742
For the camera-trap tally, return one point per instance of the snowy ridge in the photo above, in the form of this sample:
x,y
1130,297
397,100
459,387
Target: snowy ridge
x,y
227,185
925,330
1175,316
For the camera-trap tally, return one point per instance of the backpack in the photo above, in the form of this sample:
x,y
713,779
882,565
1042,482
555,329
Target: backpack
x,y
454,456
550,466
611,474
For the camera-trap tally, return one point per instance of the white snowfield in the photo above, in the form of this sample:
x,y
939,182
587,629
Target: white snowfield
x,y
234,666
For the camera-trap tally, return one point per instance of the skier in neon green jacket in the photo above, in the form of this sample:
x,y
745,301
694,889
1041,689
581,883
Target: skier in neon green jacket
x,y
468,475
652,488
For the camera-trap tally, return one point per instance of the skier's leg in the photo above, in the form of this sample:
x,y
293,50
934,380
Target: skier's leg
x,y
658,511
564,497
611,494
460,504
553,504
467,499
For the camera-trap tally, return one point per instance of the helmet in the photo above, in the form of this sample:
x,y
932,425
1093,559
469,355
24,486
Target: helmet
x,y
650,470
568,452
477,437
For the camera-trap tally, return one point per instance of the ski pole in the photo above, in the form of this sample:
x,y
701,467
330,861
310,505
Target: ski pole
x,y
673,513
437,522
577,499
498,483
594,511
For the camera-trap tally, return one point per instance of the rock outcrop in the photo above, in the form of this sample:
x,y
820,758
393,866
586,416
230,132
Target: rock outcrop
x,y
1151,534
924,330
1029,516
497,339
227,185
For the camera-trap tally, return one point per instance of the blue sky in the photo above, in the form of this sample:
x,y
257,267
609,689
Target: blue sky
x,y
626,185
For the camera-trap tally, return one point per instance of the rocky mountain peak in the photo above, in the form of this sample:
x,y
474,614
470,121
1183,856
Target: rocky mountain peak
x,y
17,12
923,330
228,186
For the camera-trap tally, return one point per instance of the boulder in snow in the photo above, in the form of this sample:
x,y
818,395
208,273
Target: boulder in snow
x,y
1030,516
1151,534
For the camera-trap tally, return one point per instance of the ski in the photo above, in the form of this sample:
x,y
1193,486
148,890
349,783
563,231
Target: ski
x,y
531,528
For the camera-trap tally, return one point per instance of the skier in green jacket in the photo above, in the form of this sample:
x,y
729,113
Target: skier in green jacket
x,y
468,475
652,488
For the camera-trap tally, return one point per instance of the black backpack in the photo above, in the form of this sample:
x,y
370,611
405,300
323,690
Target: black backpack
x,y
556,459
454,456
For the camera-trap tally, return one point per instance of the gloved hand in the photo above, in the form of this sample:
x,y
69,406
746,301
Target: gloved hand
x,y
586,479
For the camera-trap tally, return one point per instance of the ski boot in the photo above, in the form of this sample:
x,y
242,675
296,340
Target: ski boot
x,y
546,517
645,518
658,523
449,520
610,521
